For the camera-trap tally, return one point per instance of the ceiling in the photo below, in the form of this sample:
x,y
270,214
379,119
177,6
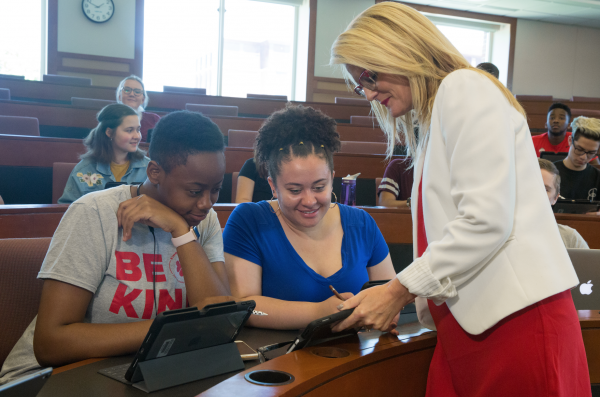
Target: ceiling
x,y
570,12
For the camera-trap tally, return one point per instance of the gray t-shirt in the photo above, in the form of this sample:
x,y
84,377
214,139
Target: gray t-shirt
x,y
88,251
571,237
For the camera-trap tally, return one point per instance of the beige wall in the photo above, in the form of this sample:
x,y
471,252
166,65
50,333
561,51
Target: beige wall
x,y
115,38
333,17
558,60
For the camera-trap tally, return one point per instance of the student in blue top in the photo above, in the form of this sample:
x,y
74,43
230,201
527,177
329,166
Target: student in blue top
x,y
113,154
284,253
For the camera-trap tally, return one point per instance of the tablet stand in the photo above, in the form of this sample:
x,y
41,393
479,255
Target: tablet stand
x,y
178,369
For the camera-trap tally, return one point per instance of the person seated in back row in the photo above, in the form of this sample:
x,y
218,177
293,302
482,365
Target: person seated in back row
x,y
251,187
396,185
551,177
285,253
131,92
578,179
556,140
119,256
113,154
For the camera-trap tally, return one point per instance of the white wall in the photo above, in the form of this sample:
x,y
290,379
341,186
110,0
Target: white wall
x,y
333,17
558,60
115,38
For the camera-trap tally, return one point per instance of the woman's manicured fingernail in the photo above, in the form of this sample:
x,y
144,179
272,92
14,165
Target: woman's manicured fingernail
x,y
340,306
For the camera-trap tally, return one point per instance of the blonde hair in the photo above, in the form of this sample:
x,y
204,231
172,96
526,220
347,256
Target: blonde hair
x,y
587,126
395,39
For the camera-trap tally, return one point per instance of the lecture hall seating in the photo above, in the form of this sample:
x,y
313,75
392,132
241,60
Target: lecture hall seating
x,y
184,90
212,110
364,147
585,99
69,80
241,138
585,113
89,103
16,125
367,121
268,97
352,101
4,93
20,290
60,176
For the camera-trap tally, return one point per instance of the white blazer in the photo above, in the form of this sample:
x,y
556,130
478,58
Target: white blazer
x,y
494,245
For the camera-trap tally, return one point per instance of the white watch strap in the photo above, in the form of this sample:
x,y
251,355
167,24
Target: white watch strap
x,y
190,236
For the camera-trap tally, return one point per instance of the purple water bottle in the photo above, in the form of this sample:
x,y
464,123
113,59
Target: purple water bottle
x,y
349,190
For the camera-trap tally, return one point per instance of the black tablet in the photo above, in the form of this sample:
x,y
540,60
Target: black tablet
x,y
575,206
320,331
183,330
28,385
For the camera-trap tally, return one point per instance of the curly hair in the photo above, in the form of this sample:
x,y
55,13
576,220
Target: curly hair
x,y
586,126
98,144
181,134
296,131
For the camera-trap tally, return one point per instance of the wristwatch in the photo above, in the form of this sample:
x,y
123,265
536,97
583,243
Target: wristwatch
x,y
190,236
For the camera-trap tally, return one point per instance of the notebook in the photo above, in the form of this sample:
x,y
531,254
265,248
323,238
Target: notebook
x,y
586,262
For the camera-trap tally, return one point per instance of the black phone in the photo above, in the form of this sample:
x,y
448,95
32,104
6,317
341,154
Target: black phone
x,y
319,331
374,283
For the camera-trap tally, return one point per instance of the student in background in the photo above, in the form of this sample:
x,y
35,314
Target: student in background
x,y
131,92
490,68
102,283
285,253
113,154
396,185
251,187
578,179
557,138
551,177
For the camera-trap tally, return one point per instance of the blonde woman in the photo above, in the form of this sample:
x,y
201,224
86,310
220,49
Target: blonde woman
x,y
131,92
490,271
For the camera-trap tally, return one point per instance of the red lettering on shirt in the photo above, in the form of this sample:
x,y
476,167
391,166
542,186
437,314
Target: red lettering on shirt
x,y
149,308
122,300
165,302
127,266
149,261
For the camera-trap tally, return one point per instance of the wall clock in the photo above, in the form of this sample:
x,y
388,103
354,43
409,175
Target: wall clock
x,y
98,11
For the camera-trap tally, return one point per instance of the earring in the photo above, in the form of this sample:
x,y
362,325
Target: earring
x,y
334,195
271,207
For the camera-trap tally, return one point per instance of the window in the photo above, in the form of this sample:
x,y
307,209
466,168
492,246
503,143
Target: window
x,y
228,47
21,38
477,40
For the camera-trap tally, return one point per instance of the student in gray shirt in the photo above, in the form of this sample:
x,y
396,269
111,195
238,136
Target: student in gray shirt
x,y
119,256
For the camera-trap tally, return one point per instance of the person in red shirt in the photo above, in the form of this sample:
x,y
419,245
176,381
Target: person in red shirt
x,y
555,140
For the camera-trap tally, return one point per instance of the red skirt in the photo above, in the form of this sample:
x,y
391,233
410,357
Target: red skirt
x,y
537,351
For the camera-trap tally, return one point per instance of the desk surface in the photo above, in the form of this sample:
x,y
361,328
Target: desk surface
x,y
85,380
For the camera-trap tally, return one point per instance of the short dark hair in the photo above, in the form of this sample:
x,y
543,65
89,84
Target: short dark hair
x,y
558,105
294,131
99,145
181,134
490,68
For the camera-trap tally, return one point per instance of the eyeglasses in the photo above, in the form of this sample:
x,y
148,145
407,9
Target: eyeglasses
x,y
136,91
579,151
367,80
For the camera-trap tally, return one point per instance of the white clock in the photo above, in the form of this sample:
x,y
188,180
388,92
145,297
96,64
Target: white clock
x,y
98,11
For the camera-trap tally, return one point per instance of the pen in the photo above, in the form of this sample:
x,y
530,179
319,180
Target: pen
x,y
340,297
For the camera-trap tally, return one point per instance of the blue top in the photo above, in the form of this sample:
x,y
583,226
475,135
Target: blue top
x,y
91,176
254,233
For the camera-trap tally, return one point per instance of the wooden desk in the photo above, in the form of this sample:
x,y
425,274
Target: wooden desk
x,y
377,365
28,221
61,115
371,356
62,93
